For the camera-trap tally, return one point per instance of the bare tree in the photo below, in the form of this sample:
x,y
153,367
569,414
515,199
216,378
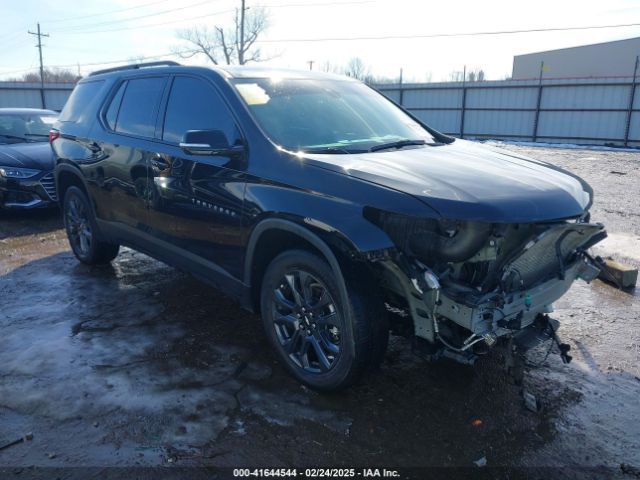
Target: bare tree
x,y
51,75
381,80
329,67
476,75
230,45
356,68
456,76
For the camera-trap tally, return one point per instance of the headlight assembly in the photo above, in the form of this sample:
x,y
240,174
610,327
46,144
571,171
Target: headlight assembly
x,y
432,240
15,172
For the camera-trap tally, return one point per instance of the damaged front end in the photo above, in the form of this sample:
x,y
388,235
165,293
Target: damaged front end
x,y
466,285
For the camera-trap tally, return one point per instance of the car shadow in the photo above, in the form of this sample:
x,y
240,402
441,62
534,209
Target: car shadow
x,y
15,223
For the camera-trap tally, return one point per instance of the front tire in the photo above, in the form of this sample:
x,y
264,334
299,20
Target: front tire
x,y
323,342
82,230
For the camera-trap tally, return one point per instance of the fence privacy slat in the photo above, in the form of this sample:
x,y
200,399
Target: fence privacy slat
x,y
28,95
583,111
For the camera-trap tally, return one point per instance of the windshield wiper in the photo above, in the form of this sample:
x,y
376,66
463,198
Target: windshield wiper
x,y
396,144
14,137
330,150
36,135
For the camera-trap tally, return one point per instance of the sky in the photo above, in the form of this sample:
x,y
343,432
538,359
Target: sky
x,y
84,34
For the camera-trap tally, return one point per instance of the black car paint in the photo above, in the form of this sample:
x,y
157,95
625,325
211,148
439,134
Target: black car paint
x,y
467,181
36,156
209,215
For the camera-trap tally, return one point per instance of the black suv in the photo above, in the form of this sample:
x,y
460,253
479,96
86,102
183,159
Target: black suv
x,y
324,206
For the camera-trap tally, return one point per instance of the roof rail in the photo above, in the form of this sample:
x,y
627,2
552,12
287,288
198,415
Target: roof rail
x,y
135,66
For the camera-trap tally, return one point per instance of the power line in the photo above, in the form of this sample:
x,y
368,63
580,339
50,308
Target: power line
x,y
348,39
58,20
440,35
148,15
22,70
110,62
323,4
150,25
197,17
15,33
94,64
12,35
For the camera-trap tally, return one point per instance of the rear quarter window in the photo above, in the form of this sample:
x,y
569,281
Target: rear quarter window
x,y
81,98
112,112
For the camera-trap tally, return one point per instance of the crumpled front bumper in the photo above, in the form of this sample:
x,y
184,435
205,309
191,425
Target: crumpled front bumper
x,y
522,321
520,308
457,319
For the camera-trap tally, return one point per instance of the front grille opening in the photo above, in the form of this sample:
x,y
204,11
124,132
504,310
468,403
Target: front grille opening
x,y
49,184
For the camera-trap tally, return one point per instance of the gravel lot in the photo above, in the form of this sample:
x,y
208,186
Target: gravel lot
x,y
139,365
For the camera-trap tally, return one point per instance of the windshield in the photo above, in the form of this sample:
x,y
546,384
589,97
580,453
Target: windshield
x,y
25,127
325,116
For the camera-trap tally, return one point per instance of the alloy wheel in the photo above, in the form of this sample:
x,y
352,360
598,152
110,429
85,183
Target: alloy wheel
x,y
79,226
306,322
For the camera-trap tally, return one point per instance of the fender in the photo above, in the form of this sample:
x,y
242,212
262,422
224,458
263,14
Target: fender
x,y
289,226
318,203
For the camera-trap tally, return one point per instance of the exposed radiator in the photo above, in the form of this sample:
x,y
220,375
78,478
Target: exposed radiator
x,y
544,256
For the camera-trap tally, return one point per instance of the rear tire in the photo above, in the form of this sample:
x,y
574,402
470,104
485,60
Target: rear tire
x,y
82,230
323,342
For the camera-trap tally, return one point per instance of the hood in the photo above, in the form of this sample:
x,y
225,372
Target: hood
x,y
27,155
469,181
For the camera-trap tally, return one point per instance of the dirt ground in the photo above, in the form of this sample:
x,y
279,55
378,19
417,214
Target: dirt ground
x,y
139,365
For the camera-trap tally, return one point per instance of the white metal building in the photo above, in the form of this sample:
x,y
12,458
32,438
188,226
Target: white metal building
x,y
609,59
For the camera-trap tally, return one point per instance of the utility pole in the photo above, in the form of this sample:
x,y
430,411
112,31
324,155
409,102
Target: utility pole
x,y
241,49
311,62
401,90
631,101
536,119
463,106
40,35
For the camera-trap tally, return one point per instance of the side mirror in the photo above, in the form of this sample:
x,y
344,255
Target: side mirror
x,y
208,142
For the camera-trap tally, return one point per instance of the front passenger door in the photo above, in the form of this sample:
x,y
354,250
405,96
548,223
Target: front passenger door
x,y
197,199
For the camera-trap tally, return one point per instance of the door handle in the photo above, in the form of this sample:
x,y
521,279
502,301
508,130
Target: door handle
x,y
94,147
160,163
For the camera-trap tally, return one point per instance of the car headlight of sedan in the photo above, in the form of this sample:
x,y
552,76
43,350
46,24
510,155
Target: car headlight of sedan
x,y
15,172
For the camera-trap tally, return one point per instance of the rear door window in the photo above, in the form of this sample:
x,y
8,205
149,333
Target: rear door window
x,y
195,105
139,106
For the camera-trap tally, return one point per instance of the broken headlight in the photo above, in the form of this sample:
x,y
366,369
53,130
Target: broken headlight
x,y
432,240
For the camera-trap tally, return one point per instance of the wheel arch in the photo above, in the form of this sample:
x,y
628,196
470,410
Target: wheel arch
x,y
273,236
67,176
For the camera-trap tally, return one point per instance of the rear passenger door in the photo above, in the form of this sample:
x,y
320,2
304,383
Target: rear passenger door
x,y
130,123
197,199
